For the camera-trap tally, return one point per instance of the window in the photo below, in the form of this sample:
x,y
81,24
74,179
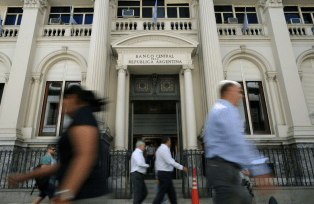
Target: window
x,y
145,9
61,12
291,12
1,91
53,120
308,15
250,13
14,16
83,16
222,13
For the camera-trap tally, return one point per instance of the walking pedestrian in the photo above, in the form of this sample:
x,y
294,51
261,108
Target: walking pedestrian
x,y
227,151
48,189
79,171
138,171
150,157
164,167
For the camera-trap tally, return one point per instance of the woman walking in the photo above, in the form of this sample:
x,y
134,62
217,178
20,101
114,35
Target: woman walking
x,y
79,170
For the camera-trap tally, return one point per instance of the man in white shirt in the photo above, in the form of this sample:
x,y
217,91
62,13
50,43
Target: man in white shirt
x,y
138,170
164,167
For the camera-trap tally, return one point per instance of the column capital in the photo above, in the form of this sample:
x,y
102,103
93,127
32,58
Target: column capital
x,y
36,77
39,4
187,67
265,4
122,68
271,76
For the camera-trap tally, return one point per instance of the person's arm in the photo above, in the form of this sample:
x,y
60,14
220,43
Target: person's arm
x,y
168,159
84,140
140,161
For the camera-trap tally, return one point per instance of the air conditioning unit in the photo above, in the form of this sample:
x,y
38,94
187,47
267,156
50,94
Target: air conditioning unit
x,y
128,13
295,21
55,21
232,20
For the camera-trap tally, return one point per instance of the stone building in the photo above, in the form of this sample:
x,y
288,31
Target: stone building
x,y
160,79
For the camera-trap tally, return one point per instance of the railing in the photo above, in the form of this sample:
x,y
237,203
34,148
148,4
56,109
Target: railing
x,y
10,31
67,31
300,30
291,167
141,24
234,29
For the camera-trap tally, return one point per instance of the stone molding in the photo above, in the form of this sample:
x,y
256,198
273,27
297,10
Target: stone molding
x,y
6,60
271,76
265,4
40,4
187,67
304,56
301,75
7,76
121,68
36,78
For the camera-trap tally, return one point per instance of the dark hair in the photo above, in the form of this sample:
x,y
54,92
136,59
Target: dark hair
x,y
225,87
86,96
51,146
164,139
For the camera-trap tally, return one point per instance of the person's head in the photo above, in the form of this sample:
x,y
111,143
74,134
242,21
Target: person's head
x,y
51,149
166,140
231,91
140,144
75,97
151,145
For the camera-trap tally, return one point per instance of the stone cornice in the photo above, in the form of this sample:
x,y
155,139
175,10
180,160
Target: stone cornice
x,y
40,4
265,4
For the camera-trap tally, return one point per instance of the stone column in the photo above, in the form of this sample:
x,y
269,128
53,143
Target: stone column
x,y
13,105
189,107
120,108
211,51
98,51
36,78
293,98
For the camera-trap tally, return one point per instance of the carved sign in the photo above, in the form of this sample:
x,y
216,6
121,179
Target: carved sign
x,y
155,59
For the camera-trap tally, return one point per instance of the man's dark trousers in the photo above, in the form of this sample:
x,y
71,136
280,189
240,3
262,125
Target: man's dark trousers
x,y
140,190
224,177
165,186
150,161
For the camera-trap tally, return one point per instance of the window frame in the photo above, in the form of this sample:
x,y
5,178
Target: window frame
x,y
73,9
300,12
11,14
130,7
84,13
2,87
235,12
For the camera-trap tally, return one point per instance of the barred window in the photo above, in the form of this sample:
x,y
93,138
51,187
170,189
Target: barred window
x,y
14,16
222,13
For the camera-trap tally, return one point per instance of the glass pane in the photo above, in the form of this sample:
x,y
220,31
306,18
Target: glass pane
x,y
252,18
15,10
10,20
60,9
223,8
84,10
65,18
129,3
1,91
54,16
147,12
290,8
120,11
19,20
78,18
152,2
257,104
50,119
89,18
243,113
307,9
226,16
240,17
177,5
172,12
160,12
184,12
291,15
307,18
242,9
137,12
218,18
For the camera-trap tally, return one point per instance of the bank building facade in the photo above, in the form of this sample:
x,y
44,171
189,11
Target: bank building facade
x,y
159,78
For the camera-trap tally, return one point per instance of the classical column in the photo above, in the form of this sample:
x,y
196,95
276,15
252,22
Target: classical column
x,y
120,108
288,78
211,51
36,78
98,51
189,108
13,105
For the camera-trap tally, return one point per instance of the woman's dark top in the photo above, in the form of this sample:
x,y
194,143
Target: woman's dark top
x,y
94,186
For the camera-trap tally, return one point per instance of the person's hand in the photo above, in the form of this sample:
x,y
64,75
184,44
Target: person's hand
x,y
264,185
14,179
185,169
157,182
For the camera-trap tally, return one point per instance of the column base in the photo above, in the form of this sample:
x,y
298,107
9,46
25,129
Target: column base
x,y
11,132
301,131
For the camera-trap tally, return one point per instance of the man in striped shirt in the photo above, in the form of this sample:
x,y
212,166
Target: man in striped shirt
x,y
164,167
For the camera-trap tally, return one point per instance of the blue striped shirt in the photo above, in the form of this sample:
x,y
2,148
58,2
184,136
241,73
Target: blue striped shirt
x,y
224,138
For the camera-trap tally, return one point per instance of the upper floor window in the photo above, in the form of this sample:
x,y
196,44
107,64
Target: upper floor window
x,y
305,14
14,16
145,9
1,91
222,13
82,16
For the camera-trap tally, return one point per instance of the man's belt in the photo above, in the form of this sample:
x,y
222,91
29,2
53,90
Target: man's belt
x,y
225,161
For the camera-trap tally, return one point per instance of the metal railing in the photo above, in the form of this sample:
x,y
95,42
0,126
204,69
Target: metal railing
x,y
290,166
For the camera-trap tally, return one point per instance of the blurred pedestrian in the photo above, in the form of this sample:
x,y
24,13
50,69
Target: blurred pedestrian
x,y
151,157
138,171
228,152
48,184
79,172
164,167
157,190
